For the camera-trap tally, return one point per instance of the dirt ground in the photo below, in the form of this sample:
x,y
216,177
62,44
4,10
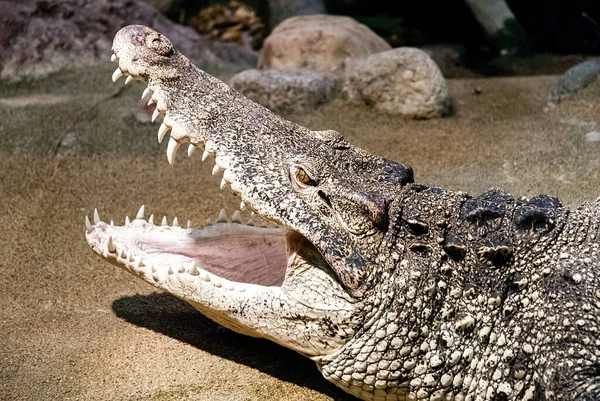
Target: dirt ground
x,y
73,327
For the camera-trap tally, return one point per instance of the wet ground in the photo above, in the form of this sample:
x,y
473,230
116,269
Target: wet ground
x,y
74,327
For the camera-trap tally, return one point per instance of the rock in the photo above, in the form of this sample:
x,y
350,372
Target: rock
x,y
575,79
280,10
285,91
318,42
38,37
402,81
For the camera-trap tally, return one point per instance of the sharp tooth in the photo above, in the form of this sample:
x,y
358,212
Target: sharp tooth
x,y
170,271
130,257
140,214
222,217
182,269
252,213
208,223
191,149
164,222
204,276
110,246
128,80
150,102
151,219
112,223
88,225
172,149
242,205
175,222
146,92
123,254
250,222
117,74
189,224
223,183
96,217
113,57
127,221
162,131
205,155
216,169
153,269
236,218
139,262
193,269
155,114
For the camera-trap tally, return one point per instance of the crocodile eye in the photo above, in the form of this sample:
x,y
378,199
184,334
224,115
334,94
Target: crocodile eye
x,y
303,177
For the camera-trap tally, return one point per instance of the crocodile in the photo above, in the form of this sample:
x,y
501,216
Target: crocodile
x,y
396,290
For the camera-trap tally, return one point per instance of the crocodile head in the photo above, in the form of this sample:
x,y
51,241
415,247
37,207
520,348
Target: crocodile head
x,y
306,284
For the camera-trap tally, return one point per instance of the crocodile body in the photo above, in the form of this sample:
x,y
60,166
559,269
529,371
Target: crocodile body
x,y
396,290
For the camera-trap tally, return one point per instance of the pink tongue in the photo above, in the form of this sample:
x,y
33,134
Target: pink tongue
x,y
247,258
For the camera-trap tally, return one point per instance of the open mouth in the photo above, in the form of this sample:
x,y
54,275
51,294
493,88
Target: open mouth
x,y
229,254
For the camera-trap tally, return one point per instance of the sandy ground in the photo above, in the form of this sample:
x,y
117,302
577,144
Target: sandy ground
x,y
74,327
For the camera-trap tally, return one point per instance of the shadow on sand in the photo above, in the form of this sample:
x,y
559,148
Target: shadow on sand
x,y
166,314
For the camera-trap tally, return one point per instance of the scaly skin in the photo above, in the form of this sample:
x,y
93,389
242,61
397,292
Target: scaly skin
x,y
397,291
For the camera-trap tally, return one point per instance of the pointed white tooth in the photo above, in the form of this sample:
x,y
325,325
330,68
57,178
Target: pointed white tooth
x,y
153,269
138,262
252,213
129,79
162,131
96,216
223,183
117,74
250,222
216,169
172,149
222,217
194,270
175,222
112,223
191,149
88,225
146,92
113,57
110,245
127,221
123,254
164,222
182,269
155,114
205,155
208,223
189,224
170,271
140,213
204,276
130,257
151,219
150,102
236,218
242,205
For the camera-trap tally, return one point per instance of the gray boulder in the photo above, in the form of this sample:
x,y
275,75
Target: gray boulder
x,y
285,91
574,80
318,42
403,81
38,37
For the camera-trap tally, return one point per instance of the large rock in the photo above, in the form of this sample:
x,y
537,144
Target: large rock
x,y
318,42
285,91
38,37
402,81
574,80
